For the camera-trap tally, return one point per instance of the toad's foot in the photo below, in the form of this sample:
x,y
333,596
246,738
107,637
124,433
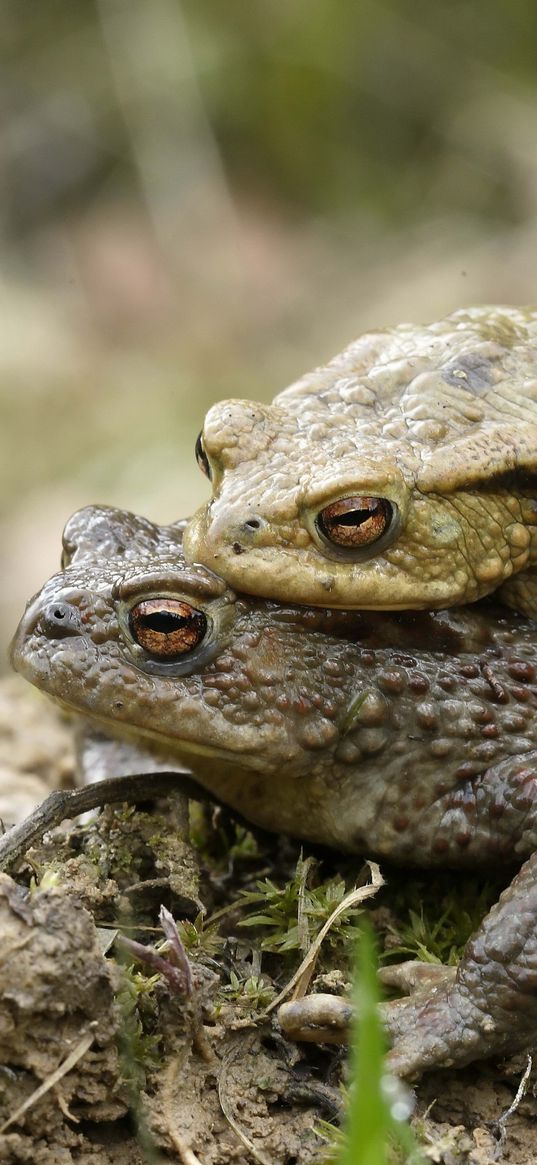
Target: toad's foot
x,y
326,1019
489,1007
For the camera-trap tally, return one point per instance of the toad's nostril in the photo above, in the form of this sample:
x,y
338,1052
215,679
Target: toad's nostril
x,y
59,620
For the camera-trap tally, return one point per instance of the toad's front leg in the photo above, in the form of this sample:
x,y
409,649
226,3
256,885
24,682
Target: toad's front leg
x,y
490,1008
487,1007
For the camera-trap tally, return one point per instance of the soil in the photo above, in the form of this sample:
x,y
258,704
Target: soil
x,y
134,1064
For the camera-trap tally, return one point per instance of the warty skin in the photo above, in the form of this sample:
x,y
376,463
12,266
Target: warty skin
x,y
412,738
424,437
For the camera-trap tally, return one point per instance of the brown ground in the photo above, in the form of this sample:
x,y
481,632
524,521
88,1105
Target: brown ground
x,y
132,1075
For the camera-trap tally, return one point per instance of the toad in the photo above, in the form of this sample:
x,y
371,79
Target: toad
x,y
411,737
401,475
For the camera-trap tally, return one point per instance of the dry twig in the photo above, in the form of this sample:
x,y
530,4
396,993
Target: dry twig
x,y
62,804
72,1059
300,981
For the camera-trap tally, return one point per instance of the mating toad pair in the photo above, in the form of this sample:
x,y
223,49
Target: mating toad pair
x,y
400,476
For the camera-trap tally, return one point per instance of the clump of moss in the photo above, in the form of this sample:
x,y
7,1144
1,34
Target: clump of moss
x,y
139,1050
433,920
292,915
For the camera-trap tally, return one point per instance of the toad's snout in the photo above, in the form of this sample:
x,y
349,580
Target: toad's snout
x,y
59,620
225,532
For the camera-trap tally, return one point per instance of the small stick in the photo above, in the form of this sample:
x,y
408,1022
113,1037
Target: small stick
x,y
301,979
68,1063
69,803
499,1130
173,938
186,1154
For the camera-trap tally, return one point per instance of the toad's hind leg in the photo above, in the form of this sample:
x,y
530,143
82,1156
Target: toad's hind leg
x,y
491,1006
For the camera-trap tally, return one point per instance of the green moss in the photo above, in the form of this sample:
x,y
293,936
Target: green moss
x,y
138,1049
436,918
251,994
200,938
292,915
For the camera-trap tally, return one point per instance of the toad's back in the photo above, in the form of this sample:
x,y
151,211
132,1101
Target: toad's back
x,y
402,474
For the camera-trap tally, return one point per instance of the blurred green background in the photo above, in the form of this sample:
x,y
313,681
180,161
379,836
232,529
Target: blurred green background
x,y
204,199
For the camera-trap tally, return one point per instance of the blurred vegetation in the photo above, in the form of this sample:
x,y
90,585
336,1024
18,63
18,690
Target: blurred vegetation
x,y
202,200
314,108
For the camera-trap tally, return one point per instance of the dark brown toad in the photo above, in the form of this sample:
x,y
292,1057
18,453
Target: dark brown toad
x,y
409,737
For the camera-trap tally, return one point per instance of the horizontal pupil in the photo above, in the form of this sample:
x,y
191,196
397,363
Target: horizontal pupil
x,y
353,518
164,622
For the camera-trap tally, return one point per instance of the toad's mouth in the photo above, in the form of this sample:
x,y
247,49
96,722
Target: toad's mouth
x,y
379,584
192,730
179,747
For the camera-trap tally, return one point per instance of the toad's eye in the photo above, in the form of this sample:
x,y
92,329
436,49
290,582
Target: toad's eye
x,y
355,522
167,628
201,457
68,550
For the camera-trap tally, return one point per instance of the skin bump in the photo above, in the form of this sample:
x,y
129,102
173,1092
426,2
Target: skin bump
x,y
437,423
413,739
